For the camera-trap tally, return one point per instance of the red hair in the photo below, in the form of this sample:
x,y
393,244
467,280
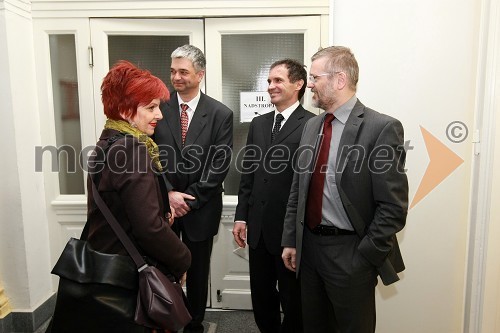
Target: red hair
x,y
127,87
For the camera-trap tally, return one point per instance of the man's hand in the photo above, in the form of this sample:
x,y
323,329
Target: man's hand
x,y
178,202
288,257
240,233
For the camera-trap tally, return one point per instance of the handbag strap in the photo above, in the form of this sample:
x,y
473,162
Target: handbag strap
x,y
113,223
117,228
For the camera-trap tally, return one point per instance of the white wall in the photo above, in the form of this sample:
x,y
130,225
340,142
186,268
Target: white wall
x,y
24,264
10,196
418,63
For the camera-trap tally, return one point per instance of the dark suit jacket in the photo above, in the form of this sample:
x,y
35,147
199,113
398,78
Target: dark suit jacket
x,y
266,176
131,190
372,184
201,166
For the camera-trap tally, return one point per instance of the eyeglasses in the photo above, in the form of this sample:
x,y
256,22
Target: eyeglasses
x,y
314,78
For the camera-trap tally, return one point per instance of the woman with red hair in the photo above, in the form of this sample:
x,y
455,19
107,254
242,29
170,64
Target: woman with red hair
x,y
129,185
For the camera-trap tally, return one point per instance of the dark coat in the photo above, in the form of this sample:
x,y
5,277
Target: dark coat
x,y
132,192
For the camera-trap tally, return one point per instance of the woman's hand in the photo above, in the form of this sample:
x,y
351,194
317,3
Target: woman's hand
x,y
183,279
171,216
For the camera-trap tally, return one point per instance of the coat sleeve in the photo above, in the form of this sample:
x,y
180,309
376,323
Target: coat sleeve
x,y
247,171
390,193
289,236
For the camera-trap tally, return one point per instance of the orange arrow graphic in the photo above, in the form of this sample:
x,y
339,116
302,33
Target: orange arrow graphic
x,y
442,162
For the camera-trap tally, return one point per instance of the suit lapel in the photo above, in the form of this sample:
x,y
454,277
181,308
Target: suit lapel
x,y
290,125
198,122
311,138
348,137
173,119
267,128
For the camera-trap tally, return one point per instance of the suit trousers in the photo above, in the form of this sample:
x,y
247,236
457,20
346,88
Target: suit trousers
x,y
267,270
197,281
338,285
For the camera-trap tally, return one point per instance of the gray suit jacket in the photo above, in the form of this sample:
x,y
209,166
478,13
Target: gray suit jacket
x,y
372,185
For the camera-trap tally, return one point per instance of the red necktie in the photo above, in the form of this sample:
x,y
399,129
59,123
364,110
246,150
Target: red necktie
x,y
315,195
184,122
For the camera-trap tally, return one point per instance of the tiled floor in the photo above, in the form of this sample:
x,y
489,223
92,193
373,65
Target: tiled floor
x,y
43,327
230,322
218,321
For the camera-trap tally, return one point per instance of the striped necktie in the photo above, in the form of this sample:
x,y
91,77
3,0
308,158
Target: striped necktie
x,y
184,122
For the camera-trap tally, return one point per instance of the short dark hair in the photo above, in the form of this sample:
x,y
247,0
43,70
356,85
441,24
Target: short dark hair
x,y
296,72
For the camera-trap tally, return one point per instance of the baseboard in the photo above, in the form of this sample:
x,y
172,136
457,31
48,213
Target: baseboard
x,y
28,322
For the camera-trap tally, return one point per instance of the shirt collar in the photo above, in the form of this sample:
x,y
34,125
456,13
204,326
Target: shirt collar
x,y
288,111
343,112
192,103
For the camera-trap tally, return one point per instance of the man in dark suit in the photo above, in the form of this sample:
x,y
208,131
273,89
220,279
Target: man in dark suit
x,y
349,198
266,177
195,139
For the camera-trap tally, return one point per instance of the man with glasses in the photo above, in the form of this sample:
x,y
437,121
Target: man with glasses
x,y
348,200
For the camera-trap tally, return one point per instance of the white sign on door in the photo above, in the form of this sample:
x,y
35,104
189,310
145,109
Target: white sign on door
x,y
254,103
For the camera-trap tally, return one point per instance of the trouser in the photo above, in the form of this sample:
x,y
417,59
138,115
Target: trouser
x,y
337,285
197,281
273,285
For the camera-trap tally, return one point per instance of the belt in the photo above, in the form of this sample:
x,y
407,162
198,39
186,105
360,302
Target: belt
x,y
326,230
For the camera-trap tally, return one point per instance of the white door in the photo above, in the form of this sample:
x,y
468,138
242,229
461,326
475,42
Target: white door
x,y
238,60
66,120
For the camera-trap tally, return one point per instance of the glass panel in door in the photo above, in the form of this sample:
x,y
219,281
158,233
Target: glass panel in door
x,y
146,43
66,112
148,52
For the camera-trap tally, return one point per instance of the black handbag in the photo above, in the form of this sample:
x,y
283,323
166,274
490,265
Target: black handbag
x,y
97,292
114,293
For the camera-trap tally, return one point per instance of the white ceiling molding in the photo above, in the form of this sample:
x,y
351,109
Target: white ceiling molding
x,y
187,8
